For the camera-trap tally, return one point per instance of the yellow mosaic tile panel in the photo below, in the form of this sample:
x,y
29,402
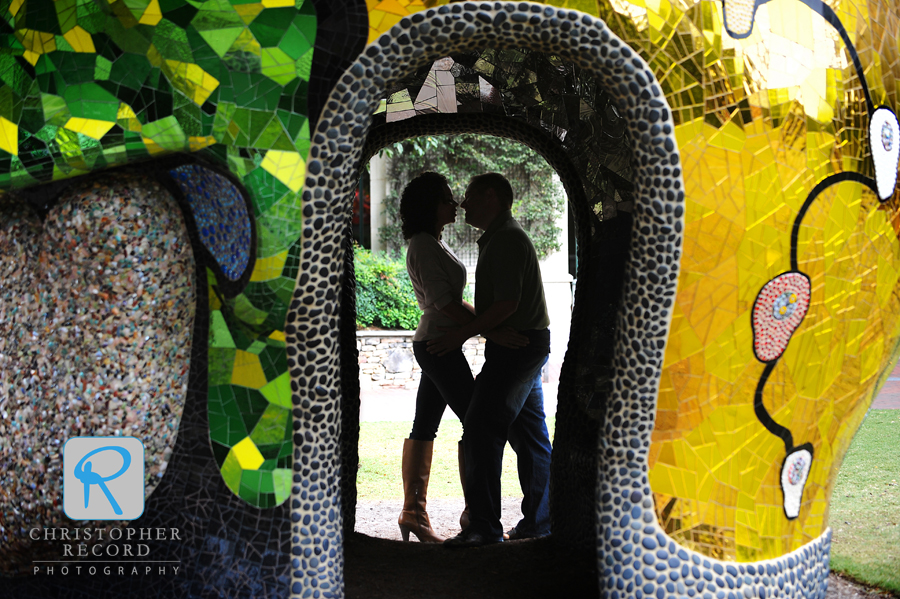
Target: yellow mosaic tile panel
x,y
772,117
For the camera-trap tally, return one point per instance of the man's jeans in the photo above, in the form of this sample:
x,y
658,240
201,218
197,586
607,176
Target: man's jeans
x,y
508,404
445,380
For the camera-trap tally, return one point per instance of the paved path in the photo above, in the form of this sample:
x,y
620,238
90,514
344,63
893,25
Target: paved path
x,y
889,396
399,405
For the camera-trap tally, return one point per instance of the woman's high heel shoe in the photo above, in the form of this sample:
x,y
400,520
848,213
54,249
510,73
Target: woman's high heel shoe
x,y
416,470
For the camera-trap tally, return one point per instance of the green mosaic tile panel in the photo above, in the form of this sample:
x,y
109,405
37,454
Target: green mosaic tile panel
x,y
91,85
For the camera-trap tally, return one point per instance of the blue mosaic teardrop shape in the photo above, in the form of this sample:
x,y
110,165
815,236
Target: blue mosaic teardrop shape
x,y
221,216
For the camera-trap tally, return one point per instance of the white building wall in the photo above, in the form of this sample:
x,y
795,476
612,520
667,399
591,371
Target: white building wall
x,y
558,293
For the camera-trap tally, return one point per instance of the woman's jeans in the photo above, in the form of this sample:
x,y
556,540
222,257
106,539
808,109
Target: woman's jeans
x,y
508,404
445,380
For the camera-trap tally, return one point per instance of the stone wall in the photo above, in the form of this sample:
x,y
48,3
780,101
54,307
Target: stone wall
x,y
386,359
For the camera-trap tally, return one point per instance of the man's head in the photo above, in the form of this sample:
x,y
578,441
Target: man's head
x,y
487,196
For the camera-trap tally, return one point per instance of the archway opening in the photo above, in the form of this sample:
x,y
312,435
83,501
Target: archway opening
x,y
590,64
565,115
389,373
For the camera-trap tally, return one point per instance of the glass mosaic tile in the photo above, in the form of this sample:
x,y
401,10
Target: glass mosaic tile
x,y
107,87
581,117
220,212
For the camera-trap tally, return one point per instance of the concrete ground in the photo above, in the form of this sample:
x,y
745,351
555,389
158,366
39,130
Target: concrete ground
x,y
399,404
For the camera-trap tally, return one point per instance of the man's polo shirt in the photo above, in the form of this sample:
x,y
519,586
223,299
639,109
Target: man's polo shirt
x,y
508,270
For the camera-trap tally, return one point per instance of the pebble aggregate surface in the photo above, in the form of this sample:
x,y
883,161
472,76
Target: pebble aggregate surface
x,y
96,311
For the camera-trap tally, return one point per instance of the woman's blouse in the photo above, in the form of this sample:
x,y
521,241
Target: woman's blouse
x,y
438,277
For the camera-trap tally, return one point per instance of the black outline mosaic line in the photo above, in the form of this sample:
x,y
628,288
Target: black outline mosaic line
x,y
763,415
759,408
814,194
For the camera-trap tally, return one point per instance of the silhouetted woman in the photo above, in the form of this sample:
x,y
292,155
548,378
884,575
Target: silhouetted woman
x,y
438,278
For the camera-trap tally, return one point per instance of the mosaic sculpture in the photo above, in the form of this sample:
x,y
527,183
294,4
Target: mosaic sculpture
x,y
218,91
96,86
732,167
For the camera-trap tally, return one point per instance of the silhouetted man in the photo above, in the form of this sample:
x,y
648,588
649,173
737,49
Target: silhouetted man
x,y
508,401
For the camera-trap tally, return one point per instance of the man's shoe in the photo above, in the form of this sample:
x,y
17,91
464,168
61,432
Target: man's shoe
x,y
470,538
514,534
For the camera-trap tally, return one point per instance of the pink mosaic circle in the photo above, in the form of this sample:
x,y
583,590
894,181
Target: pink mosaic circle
x,y
779,309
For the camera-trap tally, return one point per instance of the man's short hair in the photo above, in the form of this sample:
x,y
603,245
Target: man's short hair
x,y
494,181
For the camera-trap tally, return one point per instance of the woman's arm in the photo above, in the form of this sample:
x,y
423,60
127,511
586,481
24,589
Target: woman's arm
x,y
461,313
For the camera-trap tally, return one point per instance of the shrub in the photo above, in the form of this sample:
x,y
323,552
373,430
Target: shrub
x,y
384,293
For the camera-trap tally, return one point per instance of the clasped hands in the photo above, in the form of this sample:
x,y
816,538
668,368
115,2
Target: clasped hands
x,y
453,339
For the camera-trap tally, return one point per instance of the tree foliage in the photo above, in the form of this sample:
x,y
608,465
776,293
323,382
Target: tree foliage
x,y
384,293
538,199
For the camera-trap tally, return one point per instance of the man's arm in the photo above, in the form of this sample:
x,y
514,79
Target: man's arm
x,y
491,318
464,313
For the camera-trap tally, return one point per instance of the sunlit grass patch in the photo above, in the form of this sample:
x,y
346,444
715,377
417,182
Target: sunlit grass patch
x,y
865,505
381,450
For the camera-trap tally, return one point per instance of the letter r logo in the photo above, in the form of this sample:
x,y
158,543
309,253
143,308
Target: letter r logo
x,y
103,478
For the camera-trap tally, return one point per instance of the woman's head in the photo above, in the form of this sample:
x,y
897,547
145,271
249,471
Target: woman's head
x,y
426,205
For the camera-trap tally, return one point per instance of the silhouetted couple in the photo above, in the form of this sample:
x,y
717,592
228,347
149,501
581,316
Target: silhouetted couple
x,y
505,402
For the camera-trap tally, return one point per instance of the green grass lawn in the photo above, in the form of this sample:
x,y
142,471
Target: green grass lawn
x,y
381,448
865,505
